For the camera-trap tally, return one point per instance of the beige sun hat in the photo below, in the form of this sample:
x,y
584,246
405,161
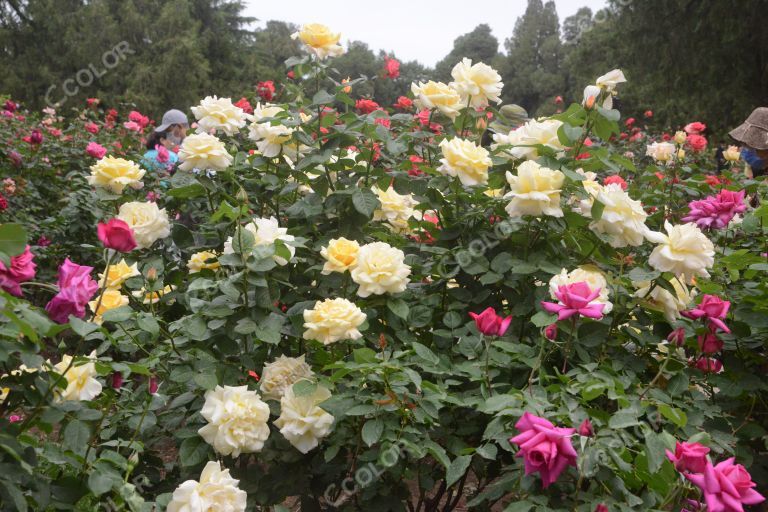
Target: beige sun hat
x,y
754,131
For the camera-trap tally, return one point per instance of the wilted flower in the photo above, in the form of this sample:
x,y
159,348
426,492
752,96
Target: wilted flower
x,y
396,209
281,374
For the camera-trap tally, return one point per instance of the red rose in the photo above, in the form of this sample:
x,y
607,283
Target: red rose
x,y
266,90
404,103
615,179
696,142
244,104
117,235
648,114
366,106
391,67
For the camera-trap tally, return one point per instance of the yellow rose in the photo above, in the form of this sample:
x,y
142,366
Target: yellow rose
x,y
117,274
320,40
535,191
395,208
110,300
437,95
270,136
680,137
302,422
148,222
660,299
477,84
155,296
661,151
203,151
623,218
380,269
81,381
215,113
201,260
466,160
333,320
340,255
684,250
281,374
237,420
115,174
732,154
532,133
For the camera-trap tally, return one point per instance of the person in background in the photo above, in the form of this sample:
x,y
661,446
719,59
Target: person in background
x,y
753,136
163,143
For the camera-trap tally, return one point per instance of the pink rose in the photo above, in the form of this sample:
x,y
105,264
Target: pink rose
x,y
689,457
602,507
404,103
586,429
244,104
575,299
551,332
708,364
726,487
615,179
133,126
22,269
162,153
391,67
365,106
713,309
138,118
92,127
709,343
545,448
677,337
96,150
116,234
695,128
76,287
491,324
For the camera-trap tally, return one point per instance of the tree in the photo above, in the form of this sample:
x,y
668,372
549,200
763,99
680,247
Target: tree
x,y
576,24
480,45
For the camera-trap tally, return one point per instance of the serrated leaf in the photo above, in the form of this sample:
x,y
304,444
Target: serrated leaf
x,y
456,469
372,431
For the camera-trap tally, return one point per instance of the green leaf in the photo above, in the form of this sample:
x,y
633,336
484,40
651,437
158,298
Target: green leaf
x,y
543,319
304,387
193,451
674,415
425,353
372,431
597,210
654,451
323,97
364,355
365,201
419,316
13,241
623,419
399,307
187,192
149,324
120,314
76,436
456,470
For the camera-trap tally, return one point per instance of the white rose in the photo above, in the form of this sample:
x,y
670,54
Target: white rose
x,y
216,491
281,374
115,174
270,136
591,93
623,218
661,300
80,378
588,274
203,151
684,251
380,269
332,320
301,421
525,137
265,232
466,160
437,95
611,79
477,84
395,208
661,151
148,222
218,114
237,420
535,191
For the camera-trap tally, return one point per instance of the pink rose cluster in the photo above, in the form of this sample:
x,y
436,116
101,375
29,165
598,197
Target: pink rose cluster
x,y
726,487
22,269
715,212
76,288
712,310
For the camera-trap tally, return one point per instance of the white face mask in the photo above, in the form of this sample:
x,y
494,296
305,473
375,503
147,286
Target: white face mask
x,y
175,140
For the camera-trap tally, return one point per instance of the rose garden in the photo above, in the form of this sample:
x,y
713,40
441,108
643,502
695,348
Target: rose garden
x,y
329,303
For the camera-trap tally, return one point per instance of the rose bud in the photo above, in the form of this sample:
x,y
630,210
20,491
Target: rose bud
x,y
586,429
117,235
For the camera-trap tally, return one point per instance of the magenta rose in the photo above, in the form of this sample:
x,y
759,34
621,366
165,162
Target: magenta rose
x,y
713,309
726,487
76,287
22,269
689,457
586,429
545,448
491,324
709,343
575,299
96,150
116,234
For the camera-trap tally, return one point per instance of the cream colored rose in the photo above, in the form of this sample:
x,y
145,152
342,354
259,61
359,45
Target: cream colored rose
x,y
203,260
115,174
281,374
680,137
216,491
610,80
270,136
395,208
661,151
660,299
320,40
732,154
684,251
526,137
437,95
588,274
155,296
340,255
111,299
117,274
623,218
332,320
302,422
237,420
380,269
203,151
218,114
148,222
81,379
466,160
476,84
266,232
535,191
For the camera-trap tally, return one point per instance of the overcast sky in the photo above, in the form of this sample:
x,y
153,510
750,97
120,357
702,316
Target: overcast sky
x,y
421,30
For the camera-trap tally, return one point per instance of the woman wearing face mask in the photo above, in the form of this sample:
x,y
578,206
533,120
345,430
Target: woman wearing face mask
x,y
753,136
162,143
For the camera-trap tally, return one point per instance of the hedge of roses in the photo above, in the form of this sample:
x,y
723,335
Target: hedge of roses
x,y
336,305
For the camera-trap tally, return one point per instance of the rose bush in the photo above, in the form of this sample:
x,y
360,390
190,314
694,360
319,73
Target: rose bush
x,y
298,318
